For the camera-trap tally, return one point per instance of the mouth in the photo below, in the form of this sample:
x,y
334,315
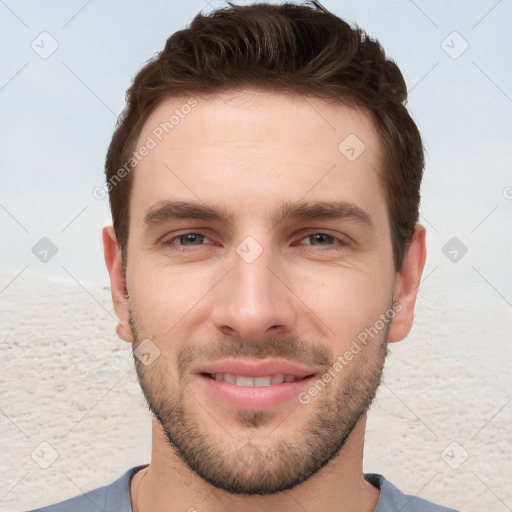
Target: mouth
x,y
253,385
246,380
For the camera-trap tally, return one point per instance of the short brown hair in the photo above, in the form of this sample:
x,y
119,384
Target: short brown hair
x,y
301,49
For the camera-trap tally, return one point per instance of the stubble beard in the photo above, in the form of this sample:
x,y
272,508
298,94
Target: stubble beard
x,y
251,469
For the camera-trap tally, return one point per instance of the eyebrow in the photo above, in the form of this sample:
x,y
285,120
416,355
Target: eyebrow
x,y
343,210
313,210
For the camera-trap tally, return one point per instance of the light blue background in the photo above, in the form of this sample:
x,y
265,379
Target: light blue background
x,y
58,114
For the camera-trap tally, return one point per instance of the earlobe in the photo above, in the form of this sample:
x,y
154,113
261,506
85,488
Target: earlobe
x,y
124,333
407,283
117,282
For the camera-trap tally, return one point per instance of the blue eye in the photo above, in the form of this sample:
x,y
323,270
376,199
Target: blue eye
x,y
321,237
189,239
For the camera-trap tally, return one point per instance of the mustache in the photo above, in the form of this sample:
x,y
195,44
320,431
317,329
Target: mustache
x,y
292,349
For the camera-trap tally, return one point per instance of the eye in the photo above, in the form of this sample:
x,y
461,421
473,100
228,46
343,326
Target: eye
x,y
188,239
323,240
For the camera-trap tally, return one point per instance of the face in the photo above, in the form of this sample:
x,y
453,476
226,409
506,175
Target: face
x,y
259,252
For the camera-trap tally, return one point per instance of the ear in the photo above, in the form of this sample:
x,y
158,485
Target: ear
x,y
406,285
117,281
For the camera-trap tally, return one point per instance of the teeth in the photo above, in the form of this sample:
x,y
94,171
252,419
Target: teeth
x,y
244,380
228,378
262,381
277,379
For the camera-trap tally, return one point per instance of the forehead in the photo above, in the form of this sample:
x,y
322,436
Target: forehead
x,y
252,150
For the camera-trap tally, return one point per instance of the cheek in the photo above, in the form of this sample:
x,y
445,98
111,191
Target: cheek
x,y
164,296
347,300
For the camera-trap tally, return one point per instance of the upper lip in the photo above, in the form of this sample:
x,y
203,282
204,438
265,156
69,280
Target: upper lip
x,y
255,368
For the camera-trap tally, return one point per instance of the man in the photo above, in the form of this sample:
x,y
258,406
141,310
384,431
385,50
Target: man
x,y
264,185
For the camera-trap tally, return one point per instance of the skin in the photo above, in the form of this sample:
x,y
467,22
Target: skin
x,y
248,151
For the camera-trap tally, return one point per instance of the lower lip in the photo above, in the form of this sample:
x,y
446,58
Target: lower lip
x,y
253,397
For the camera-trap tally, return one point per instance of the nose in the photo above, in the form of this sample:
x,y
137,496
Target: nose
x,y
254,301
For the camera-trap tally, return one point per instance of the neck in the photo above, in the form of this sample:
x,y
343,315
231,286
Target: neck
x,y
339,486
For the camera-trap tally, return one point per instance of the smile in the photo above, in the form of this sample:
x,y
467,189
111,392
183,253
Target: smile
x,y
245,380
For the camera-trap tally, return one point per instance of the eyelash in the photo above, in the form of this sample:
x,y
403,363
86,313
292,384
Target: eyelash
x,y
341,242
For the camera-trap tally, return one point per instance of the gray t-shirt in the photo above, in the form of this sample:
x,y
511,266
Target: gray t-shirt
x,y
116,498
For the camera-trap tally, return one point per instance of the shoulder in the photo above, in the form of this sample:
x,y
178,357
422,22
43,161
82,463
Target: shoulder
x,y
110,498
392,499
